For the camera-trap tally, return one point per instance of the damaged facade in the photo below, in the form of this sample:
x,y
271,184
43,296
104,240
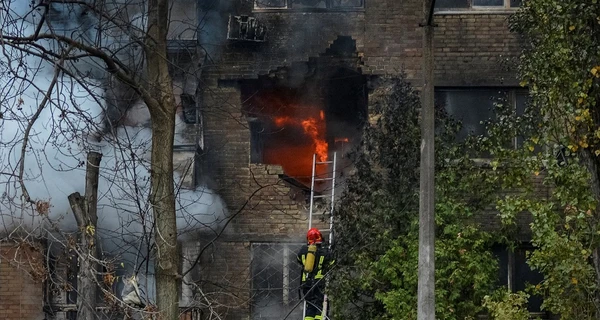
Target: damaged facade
x,y
277,81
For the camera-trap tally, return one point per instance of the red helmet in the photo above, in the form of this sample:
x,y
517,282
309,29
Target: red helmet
x,y
314,236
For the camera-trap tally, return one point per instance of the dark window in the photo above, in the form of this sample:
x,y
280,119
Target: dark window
x,y
471,107
301,4
190,110
452,4
347,3
308,4
524,276
275,281
465,4
488,3
257,142
474,106
270,4
515,273
521,102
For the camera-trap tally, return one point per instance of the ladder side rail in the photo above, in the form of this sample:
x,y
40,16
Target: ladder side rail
x,y
326,298
312,191
332,199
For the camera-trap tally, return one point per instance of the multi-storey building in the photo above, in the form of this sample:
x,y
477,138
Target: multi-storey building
x,y
279,80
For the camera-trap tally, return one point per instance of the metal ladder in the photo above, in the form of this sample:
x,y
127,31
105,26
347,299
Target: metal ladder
x,y
314,179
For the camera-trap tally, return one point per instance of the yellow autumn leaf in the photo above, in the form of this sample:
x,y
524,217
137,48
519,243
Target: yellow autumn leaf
x,y
537,173
597,152
595,70
578,118
583,144
90,230
573,148
574,281
523,83
580,101
586,112
530,148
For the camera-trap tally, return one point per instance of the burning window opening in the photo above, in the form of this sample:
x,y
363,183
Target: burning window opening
x,y
290,122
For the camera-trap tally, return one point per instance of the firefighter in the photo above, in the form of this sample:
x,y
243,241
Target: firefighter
x,y
315,260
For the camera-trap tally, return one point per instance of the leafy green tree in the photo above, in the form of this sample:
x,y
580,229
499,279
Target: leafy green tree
x,y
561,67
377,226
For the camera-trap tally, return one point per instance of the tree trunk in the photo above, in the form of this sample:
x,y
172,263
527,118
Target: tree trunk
x,y
85,211
162,198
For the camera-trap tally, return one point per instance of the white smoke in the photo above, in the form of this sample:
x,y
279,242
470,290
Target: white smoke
x,y
66,129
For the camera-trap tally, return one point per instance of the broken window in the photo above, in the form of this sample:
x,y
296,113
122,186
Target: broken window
x,y
478,4
291,118
275,281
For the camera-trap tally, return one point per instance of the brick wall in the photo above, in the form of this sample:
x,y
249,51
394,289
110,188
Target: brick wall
x,y
475,50
470,49
21,289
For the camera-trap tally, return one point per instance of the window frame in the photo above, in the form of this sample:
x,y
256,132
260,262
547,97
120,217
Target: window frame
x,y
520,249
329,7
288,251
511,93
505,7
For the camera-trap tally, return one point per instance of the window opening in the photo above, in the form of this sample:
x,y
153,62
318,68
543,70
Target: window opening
x,y
515,273
488,3
291,119
477,4
308,4
474,106
275,281
270,4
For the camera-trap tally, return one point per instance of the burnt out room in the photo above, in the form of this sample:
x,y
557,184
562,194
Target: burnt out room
x,y
301,111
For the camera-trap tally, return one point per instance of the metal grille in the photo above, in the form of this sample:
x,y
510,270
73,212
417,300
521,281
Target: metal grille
x,y
275,281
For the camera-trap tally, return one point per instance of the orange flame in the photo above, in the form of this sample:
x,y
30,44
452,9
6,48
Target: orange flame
x,y
280,121
314,128
297,130
311,127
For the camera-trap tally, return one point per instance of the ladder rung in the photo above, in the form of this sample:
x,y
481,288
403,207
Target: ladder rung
x,y
323,196
323,179
324,162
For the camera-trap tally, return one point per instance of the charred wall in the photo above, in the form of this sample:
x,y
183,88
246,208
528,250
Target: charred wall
x,y
471,50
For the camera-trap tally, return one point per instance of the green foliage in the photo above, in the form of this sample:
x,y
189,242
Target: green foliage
x,y
561,66
377,219
505,305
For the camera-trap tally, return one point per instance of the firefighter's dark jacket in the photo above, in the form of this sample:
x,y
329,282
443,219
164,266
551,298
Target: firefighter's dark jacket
x,y
323,262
